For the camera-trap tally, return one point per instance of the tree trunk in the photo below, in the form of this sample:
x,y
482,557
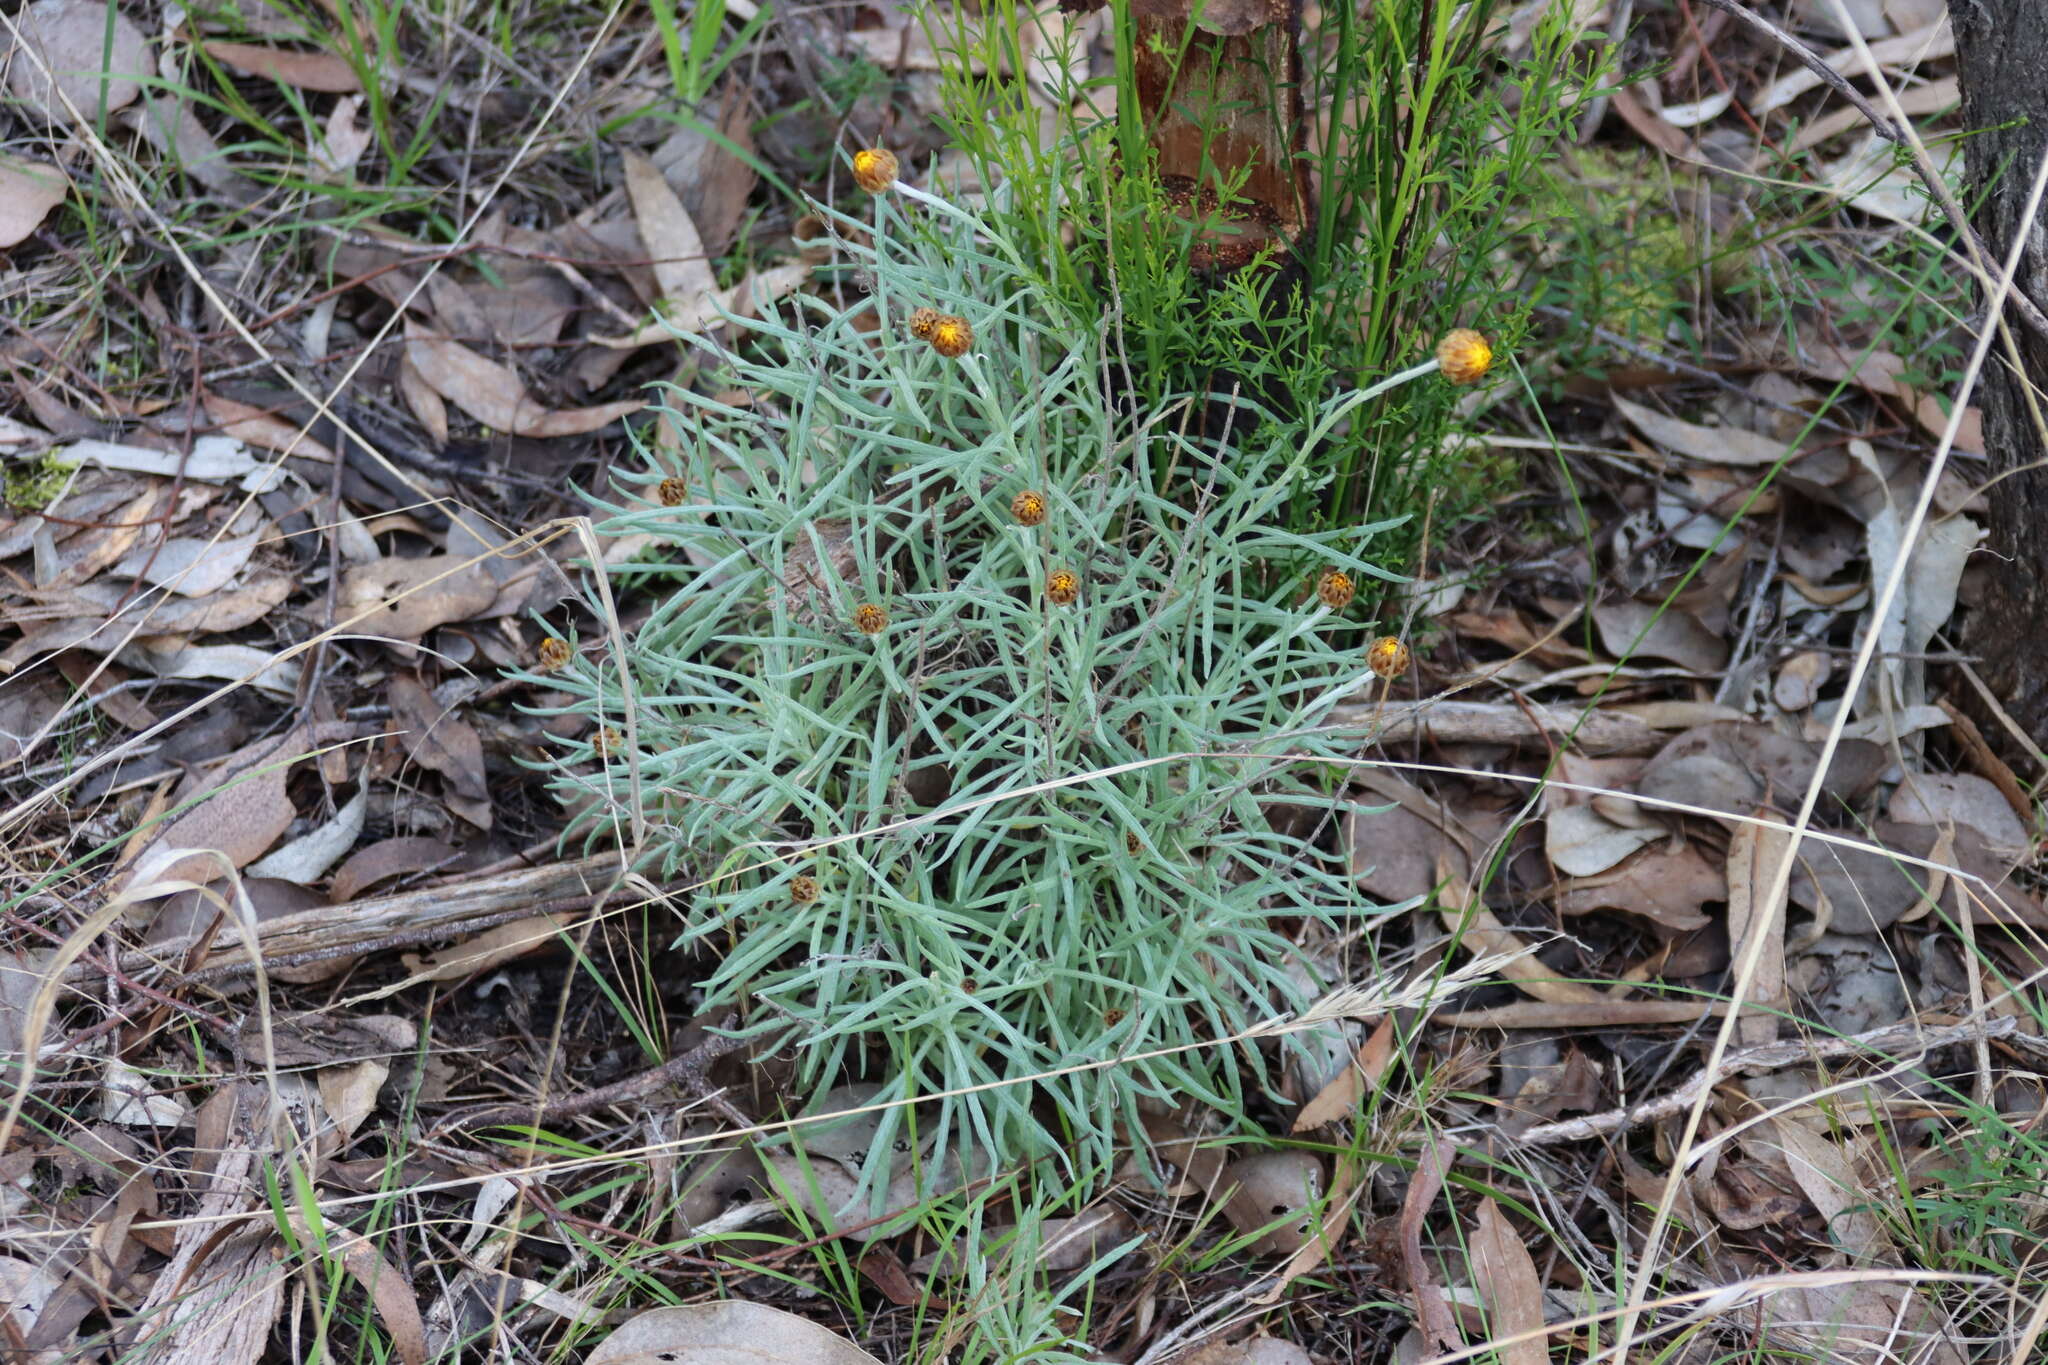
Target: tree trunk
x,y
2002,56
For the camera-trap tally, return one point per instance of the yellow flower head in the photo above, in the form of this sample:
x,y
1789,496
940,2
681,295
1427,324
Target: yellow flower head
x,y
1334,589
874,169
1387,656
1464,356
553,653
607,742
923,322
803,890
1062,588
870,618
1028,507
951,336
672,492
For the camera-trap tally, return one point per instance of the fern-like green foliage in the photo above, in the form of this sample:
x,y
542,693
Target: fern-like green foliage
x,y
1034,836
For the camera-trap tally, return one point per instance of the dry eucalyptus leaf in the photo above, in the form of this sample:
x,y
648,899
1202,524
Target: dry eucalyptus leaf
x,y
1799,680
1960,798
490,948
69,37
494,395
1717,445
305,859
192,566
348,1092
1394,853
1861,1322
1830,1183
383,860
1728,767
319,71
239,818
1257,1351
28,191
1276,1192
1638,629
409,597
263,428
1505,1276
436,738
1907,49
681,267
1754,857
729,1333
1581,842
1664,885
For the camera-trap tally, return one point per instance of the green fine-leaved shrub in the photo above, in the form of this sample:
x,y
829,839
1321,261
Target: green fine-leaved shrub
x,y
945,828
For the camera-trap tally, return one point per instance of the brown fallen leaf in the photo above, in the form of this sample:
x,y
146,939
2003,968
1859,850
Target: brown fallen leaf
x,y
1664,885
1754,853
436,738
1636,630
1717,445
1484,935
1505,1277
494,395
1273,1195
247,422
1342,1094
383,860
407,598
1432,1310
681,267
240,814
320,71
28,191
490,948
1328,1235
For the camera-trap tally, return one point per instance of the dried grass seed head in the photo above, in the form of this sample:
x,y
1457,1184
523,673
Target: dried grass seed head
x,y
874,169
1464,356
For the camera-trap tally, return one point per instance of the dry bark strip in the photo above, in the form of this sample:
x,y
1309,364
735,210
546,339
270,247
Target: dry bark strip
x,y
1600,733
409,919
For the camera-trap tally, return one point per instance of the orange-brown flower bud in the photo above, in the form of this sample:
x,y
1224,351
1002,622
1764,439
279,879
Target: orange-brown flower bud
x,y
1464,356
1062,588
874,169
1028,507
1335,590
673,492
1387,656
870,619
924,322
951,336
553,653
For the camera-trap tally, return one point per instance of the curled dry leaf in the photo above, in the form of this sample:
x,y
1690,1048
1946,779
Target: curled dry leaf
x,y
681,266
494,395
490,948
383,860
305,859
438,739
1665,885
406,598
1754,914
729,1333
